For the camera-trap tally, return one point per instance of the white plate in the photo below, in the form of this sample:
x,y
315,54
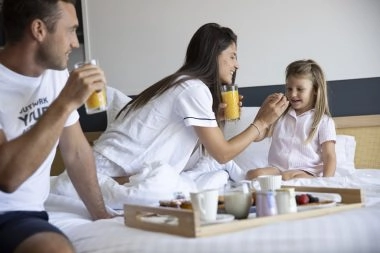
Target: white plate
x,y
220,218
171,220
323,196
328,203
326,199
160,219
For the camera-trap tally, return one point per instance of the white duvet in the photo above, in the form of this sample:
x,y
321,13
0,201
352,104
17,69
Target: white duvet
x,y
356,230
153,183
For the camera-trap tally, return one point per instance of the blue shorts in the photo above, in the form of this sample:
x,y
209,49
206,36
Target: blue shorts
x,y
16,226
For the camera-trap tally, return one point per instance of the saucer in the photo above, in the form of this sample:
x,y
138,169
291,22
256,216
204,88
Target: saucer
x,y
220,218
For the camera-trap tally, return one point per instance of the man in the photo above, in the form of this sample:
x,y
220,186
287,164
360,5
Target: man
x,y
38,102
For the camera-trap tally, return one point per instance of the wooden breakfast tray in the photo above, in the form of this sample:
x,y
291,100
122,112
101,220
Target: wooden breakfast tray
x,y
187,223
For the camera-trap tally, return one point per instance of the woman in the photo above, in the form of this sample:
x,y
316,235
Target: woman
x,y
166,122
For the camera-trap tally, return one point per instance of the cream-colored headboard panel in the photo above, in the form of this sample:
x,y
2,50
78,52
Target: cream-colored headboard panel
x,y
58,167
366,130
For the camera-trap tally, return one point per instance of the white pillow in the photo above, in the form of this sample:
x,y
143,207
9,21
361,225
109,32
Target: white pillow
x,y
116,100
256,154
345,155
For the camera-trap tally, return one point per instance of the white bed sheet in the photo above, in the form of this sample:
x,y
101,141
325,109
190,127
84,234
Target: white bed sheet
x,y
355,230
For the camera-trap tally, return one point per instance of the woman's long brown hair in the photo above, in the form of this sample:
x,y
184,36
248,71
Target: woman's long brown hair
x,y
201,63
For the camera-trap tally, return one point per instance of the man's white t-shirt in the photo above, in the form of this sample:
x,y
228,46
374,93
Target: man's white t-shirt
x,y
161,131
289,150
23,100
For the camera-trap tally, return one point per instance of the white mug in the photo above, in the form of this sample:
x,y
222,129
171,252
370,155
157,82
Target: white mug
x,y
269,182
206,203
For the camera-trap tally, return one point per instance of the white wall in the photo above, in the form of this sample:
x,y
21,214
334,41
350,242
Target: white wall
x,y
77,55
140,41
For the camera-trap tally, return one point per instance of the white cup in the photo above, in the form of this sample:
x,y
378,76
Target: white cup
x,y
206,203
269,182
237,199
286,200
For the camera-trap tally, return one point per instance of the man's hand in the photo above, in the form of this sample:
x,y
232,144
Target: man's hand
x,y
81,84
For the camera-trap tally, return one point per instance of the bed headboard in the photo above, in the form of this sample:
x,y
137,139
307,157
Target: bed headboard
x,y
58,166
366,130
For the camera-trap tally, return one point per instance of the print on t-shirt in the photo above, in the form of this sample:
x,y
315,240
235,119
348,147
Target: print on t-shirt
x,y
30,114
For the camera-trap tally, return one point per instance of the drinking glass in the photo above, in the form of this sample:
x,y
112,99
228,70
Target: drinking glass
x,y
97,102
230,96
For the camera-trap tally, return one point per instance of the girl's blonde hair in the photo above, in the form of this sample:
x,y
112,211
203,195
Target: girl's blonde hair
x,y
311,70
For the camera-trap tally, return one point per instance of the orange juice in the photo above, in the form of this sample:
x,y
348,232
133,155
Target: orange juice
x,y
97,102
230,96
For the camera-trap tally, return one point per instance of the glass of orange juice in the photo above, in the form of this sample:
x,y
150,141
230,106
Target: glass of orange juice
x,y
230,96
97,102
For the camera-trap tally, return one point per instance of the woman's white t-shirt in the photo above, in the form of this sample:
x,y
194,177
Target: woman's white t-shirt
x,y
160,131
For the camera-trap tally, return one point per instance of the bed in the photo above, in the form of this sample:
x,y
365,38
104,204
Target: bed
x,y
356,230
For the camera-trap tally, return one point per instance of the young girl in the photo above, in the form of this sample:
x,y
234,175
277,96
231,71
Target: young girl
x,y
303,139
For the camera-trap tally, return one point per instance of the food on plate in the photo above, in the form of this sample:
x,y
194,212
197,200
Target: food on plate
x,y
176,203
186,205
306,198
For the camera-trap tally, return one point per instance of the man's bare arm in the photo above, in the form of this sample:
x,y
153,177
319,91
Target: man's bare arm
x,y
79,161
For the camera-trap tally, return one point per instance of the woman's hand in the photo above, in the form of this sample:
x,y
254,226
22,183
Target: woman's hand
x,y
271,109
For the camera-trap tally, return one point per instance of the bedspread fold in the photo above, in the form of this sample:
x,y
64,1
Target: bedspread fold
x,y
155,182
